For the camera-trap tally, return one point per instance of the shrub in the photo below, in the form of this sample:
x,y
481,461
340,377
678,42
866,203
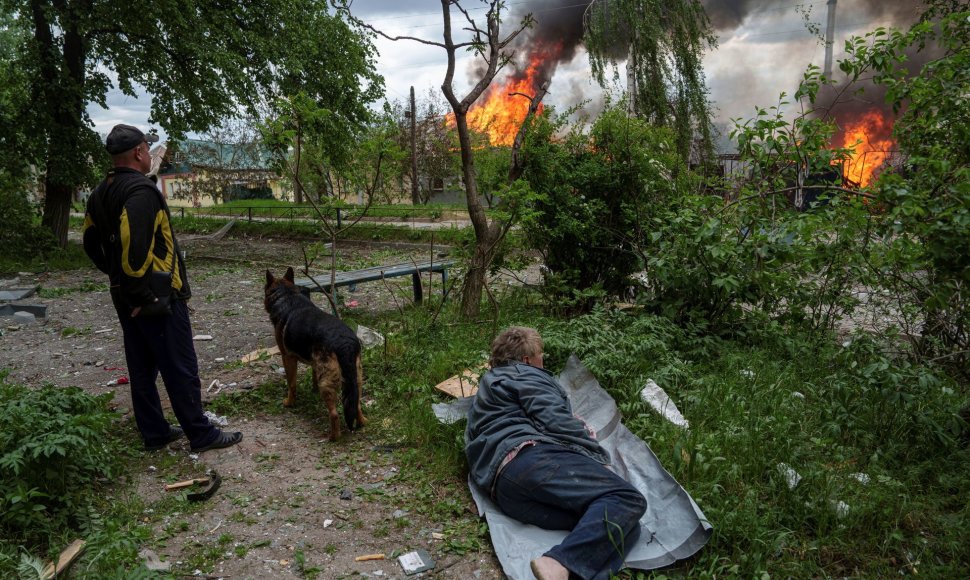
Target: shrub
x,y
20,230
593,193
54,449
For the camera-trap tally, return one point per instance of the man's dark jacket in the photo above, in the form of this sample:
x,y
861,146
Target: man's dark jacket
x,y
516,403
128,235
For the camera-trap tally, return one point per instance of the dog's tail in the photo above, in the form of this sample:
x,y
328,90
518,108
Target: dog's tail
x,y
347,358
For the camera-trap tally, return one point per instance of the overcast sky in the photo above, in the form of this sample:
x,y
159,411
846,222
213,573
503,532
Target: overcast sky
x,y
763,49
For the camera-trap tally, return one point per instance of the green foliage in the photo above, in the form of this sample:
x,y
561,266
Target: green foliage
x,y
53,450
200,62
925,249
21,234
593,193
829,410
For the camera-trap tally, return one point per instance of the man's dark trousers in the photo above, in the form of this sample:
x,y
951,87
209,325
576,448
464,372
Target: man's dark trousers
x,y
163,344
553,487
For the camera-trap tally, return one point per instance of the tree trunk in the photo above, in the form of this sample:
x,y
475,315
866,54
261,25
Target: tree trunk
x,y
57,210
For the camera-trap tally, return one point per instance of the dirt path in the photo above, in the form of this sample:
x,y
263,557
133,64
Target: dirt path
x,y
291,504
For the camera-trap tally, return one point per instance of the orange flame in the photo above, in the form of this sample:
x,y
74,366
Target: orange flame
x,y
502,110
869,138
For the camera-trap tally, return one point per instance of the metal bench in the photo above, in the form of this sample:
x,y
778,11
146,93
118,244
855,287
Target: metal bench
x,y
354,277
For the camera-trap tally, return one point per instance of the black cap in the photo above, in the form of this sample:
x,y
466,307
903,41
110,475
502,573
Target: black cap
x,y
125,137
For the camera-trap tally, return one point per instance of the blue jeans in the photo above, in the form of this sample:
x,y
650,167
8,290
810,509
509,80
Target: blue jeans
x,y
553,487
164,344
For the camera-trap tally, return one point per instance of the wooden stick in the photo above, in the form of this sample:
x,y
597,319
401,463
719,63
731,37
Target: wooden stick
x,y
369,557
186,483
66,558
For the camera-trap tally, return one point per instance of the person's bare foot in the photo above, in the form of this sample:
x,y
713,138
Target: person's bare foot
x,y
546,568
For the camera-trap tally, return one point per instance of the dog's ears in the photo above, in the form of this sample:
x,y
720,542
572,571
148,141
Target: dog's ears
x,y
289,274
269,278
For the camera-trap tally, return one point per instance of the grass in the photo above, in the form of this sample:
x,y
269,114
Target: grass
x,y
772,396
768,395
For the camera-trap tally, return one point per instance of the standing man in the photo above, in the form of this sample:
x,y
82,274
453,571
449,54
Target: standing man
x,y
543,467
128,236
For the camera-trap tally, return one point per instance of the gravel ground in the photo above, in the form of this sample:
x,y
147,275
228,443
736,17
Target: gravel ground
x,y
282,509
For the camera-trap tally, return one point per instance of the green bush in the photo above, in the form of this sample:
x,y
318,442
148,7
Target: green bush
x,y
594,191
54,451
20,231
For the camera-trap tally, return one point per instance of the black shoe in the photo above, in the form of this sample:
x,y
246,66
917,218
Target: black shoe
x,y
174,434
223,440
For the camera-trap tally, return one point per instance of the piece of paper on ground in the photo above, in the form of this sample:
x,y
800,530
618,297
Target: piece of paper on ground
x,y
673,527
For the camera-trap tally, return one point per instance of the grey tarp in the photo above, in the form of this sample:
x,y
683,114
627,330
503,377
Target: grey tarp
x,y
673,527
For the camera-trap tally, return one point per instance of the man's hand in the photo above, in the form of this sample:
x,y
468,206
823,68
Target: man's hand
x,y
137,309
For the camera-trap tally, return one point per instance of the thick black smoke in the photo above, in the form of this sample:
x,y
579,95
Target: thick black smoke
x,y
728,15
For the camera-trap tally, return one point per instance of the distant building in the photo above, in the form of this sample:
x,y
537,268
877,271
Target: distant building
x,y
198,173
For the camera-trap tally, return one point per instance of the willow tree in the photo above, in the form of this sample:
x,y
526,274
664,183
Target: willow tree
x,y
662,42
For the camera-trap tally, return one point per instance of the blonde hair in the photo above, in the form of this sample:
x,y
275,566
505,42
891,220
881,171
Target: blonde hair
x,y
513,344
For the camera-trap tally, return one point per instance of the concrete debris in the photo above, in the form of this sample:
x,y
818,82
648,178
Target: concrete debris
x,y
153,562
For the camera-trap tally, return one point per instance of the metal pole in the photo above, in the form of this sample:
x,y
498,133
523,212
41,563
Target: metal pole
x,y
414,156
829,39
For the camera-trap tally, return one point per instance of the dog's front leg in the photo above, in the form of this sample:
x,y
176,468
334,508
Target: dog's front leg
x,y
289,365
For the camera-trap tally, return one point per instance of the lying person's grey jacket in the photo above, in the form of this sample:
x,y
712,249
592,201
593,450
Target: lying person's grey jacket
x,y
516,403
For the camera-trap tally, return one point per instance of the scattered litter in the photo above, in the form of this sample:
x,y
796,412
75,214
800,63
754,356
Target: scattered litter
x,y
658,399
346,494
861,478
437,535
414,562
369,337
122,380
260,353
448,413
461,385
109,368
841,508
221,359
102,331
152,468
798,395
221,421
64,561
368,557
118,381
747,373
352,304
327,523
791,476
398,514
378,572
215,384
202,337
152,561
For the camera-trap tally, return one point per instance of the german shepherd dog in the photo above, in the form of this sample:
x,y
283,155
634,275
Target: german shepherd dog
x,y
306,333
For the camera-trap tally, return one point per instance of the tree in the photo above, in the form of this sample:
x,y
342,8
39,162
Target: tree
x,y
663,44
926,236
297,137
200,61
490,46
435,142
